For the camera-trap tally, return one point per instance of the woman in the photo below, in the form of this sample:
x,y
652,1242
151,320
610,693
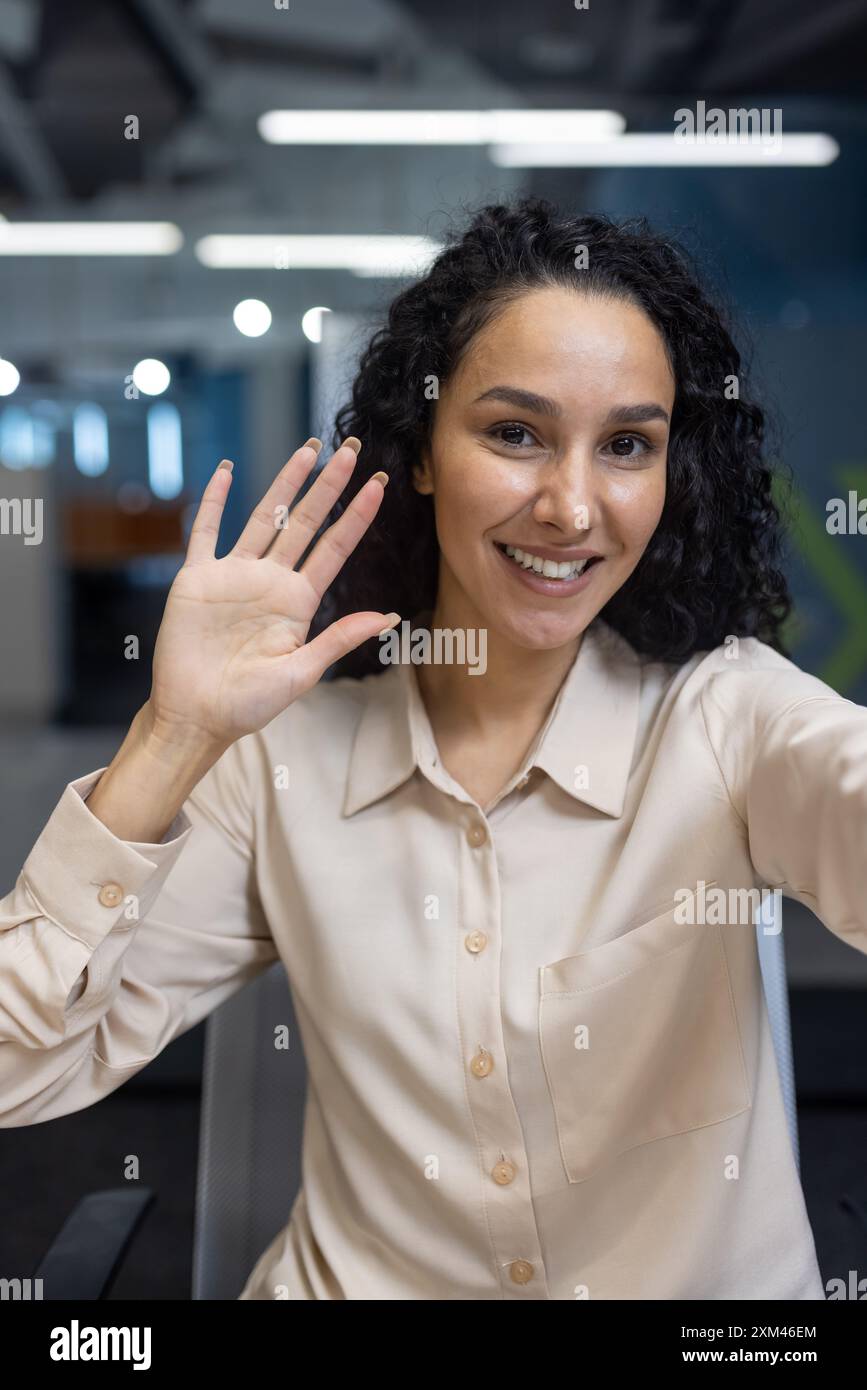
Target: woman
x,y
515,896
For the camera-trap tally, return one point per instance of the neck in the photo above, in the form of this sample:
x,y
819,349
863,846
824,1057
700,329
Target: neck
x,y
517,688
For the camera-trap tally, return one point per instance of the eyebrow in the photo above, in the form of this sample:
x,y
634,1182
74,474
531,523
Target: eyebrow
x,y
543,405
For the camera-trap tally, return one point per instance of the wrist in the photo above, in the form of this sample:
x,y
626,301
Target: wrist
x,y
173,744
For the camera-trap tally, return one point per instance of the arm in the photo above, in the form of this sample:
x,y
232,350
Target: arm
x,y
793,754
92,985
136,914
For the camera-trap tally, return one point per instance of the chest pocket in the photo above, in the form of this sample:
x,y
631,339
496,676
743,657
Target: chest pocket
x,y
640,1041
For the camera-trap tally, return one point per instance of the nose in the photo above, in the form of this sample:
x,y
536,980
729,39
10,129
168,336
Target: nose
x,y
566,497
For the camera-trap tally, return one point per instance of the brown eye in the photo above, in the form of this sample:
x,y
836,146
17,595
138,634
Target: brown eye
x,y
511,435
627,446
623,447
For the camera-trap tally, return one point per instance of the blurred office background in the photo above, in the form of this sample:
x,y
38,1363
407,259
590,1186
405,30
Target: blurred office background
x,y
127,370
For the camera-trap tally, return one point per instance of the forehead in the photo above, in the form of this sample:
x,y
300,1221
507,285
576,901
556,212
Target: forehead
x,y
566,343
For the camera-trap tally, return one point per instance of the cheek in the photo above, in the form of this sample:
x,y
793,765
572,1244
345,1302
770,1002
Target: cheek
x,y
637,503
476,492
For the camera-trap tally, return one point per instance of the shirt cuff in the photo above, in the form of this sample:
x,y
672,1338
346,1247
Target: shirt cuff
x,y
87,880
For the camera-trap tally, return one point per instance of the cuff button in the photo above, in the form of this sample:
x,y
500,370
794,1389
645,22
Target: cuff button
x,y
110,895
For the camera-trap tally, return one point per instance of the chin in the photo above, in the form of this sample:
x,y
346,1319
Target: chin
x,y
539,631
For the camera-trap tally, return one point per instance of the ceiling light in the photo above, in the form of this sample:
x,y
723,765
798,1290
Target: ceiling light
x,y
9,377
363,255
151,376
89,238
252,317
435,127
638,149
311,323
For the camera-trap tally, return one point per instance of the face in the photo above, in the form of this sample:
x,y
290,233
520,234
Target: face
x,y
550,439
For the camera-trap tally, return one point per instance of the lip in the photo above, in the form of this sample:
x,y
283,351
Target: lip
x,y
555,588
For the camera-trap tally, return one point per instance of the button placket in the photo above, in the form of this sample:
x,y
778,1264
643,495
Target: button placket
x,y
510,1216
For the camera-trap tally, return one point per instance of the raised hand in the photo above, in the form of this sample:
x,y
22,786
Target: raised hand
x,y
231,652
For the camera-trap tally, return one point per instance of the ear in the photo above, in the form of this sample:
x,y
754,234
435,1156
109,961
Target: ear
x,y
422,473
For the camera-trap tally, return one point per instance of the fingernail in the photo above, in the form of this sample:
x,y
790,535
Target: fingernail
x,y
392,619
354,444
313,443
226,463
381,477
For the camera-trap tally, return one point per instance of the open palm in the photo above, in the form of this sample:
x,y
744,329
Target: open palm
x,y
231,652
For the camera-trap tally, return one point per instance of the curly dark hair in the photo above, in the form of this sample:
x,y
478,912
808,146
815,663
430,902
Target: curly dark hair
x,y
710,568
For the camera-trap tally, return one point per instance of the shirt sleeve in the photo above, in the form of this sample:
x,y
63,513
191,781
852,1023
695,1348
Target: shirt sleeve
x,y
793,755
109,949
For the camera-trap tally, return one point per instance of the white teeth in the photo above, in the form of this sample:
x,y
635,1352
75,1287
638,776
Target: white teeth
x,y
551,569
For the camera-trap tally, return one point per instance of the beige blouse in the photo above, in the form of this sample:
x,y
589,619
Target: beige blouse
x,y
532,1076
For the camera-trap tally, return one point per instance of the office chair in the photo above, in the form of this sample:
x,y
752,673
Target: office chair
x,y
250,1142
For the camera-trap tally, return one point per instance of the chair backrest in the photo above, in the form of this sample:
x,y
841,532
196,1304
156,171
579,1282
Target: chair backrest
x,y
253,1097
772,959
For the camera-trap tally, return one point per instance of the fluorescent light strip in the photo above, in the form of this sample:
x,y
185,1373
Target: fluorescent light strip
x,y
512,126
638,149
90,439
364,255
89,239
165,450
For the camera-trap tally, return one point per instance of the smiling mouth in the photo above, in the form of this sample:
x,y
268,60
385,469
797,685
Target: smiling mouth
x,y
563,570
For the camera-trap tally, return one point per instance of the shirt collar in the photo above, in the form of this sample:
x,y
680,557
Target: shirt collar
x,y
592,725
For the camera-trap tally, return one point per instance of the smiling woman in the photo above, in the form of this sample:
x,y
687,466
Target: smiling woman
x,y
569,479
578,412
532,1075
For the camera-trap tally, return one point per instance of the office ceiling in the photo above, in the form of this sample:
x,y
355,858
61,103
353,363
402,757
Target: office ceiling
x,y
197,73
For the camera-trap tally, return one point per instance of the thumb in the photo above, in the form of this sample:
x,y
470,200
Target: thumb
x,y
308,663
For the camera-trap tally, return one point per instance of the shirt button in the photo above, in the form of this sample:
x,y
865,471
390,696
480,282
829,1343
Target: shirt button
x,y
482,1064
521,1271
503,1172
476,941
110,894
476,835
523,782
